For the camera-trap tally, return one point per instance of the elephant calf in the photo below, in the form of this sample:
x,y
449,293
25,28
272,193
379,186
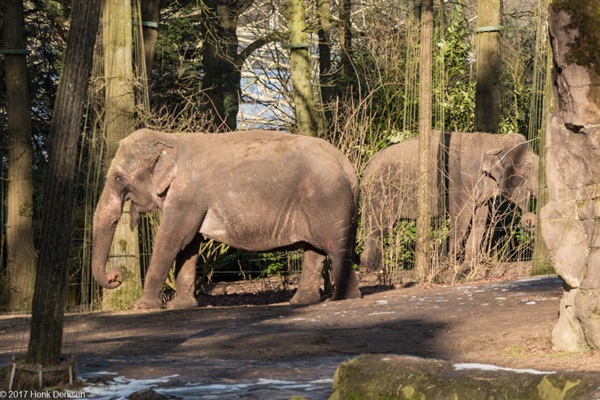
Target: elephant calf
x,y
255,190
474,167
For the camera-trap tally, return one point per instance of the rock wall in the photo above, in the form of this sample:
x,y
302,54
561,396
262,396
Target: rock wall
x,y
571,219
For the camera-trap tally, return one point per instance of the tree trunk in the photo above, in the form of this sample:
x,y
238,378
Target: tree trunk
x,y
119,123
45,342
222,67
150,17
425,188
307,120
487,89
19,231
326,80
346,70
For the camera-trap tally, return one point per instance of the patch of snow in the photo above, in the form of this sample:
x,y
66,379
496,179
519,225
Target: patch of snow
x,y
530,303
488,367
120,388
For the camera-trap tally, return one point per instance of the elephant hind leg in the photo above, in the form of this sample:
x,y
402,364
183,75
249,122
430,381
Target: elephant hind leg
x,y
310,278
344,278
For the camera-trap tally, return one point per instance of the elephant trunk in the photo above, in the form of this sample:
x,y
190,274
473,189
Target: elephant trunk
x,y
528,221
108,212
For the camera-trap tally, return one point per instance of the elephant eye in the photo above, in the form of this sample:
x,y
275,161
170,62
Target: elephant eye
x,y
119,182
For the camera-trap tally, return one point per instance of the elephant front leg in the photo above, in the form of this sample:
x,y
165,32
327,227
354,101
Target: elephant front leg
x,y
473,243
460,221
310,279
185,270
174,234
371,258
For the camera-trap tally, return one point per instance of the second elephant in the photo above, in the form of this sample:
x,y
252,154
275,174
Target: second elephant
x,y
475,167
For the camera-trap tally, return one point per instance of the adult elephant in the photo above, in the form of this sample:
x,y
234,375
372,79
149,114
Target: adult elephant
x,y
255,190
473,167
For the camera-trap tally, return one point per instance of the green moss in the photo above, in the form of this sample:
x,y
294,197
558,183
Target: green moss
x,y
549,389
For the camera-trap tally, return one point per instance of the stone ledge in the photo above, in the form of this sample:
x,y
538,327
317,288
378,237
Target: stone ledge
x,y
407,377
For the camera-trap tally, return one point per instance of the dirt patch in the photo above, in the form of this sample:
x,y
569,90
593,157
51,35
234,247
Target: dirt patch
x,y
501,322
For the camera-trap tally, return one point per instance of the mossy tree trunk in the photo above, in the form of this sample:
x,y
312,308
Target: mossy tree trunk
x,y
326,79
345,29
117,39
542,262
21,263
487,88
425,185
45,341
307,119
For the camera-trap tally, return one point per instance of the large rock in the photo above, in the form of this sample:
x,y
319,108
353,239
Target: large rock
x,y
405,377
571,220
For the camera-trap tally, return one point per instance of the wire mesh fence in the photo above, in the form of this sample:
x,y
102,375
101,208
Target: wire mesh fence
x,y
378,111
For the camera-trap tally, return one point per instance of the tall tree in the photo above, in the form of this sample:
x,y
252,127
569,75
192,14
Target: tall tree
x,y
345,17
326,80
19,232
45,341
307,119
221,61
425,188
487,88
117,41
150,17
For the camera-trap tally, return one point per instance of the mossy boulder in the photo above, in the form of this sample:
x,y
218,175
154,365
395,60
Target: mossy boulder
x,y
405,377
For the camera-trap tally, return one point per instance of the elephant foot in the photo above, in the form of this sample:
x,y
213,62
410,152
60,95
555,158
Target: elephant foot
x,y
182,303
302,298
371,269
353,293
145,303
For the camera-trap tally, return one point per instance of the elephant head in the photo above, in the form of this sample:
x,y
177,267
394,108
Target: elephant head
x,y
141,172
514,169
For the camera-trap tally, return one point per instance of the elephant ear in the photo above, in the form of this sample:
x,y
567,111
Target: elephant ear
x,y
164,170
492,165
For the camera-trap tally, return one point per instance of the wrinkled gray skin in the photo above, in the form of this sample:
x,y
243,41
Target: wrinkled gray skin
x,y
254,190
479,166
